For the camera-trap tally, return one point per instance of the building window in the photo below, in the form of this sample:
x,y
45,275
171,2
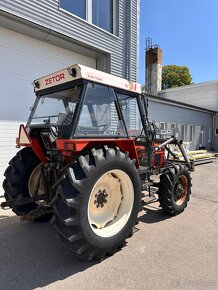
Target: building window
x,y
162,125
97,12
216,131
163,128
102,14
183,132
202,134
75,7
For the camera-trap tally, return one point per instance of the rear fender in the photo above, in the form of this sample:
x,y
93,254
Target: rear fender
x,y
70,148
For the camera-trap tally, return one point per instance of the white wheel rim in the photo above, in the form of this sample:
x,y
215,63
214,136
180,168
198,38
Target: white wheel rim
x,y
110,203
36,185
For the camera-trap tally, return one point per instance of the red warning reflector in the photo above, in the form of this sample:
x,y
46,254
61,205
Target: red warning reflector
x,y
23,139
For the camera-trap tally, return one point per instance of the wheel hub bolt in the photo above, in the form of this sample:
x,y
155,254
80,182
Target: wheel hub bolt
x,y
100,198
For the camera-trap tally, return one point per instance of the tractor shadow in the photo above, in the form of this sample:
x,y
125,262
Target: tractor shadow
x,y
152,215
32,256
151,212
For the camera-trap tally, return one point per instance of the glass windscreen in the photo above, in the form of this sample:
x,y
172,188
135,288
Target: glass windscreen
x,y
131,114
55,108
99,114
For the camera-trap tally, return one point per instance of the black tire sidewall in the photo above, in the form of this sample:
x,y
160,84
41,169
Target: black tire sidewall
x,y
24,162
185,173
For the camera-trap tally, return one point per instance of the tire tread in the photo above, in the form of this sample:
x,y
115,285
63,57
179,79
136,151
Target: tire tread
x,y
68,200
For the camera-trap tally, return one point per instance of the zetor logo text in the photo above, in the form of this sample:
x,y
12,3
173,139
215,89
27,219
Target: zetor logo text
x,y
54,79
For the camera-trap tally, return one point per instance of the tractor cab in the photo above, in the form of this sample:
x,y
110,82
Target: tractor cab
x,y
83,110
79,107
85,102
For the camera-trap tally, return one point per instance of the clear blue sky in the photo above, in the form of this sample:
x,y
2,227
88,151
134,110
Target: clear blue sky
x,y
187,32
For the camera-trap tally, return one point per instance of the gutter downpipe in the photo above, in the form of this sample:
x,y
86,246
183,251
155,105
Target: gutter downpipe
x,y
138,41
130,41
213,129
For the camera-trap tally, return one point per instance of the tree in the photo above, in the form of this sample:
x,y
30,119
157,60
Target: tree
x,y
175,76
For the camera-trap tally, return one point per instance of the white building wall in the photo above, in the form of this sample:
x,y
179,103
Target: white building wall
x,y
171,113
46,14
203,95
215,133
24,59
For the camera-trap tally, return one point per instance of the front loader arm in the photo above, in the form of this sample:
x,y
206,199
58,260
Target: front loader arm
x,y
179,143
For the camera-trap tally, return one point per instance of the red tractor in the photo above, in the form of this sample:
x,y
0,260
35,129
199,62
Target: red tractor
x,y
89,152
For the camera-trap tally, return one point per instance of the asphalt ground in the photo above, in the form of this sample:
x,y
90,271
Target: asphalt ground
x,y
164,253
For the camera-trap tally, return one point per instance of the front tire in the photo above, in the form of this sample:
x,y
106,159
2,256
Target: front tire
x,y
97,202
174,189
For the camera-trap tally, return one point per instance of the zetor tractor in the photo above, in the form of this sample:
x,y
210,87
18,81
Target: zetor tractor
x,y
89,152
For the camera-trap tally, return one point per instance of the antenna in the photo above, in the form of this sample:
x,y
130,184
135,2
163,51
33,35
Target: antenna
x,y
148,43
148,69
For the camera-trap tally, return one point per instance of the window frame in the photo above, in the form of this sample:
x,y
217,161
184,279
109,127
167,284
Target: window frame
x,y
174,126
191,135
127,121
184,137
164,125
209,135
88,19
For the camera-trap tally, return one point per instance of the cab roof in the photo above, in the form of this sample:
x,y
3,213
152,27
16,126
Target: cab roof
x,y
77,71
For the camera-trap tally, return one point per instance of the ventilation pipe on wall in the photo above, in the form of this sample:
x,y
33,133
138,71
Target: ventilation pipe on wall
x,y
213,130
132,71
138,40
130,41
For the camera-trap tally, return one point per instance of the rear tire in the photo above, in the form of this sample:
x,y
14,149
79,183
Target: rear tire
x,y
97,202
174,189
16,181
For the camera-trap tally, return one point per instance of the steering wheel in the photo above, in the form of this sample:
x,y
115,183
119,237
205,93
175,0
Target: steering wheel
x,y
105,126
